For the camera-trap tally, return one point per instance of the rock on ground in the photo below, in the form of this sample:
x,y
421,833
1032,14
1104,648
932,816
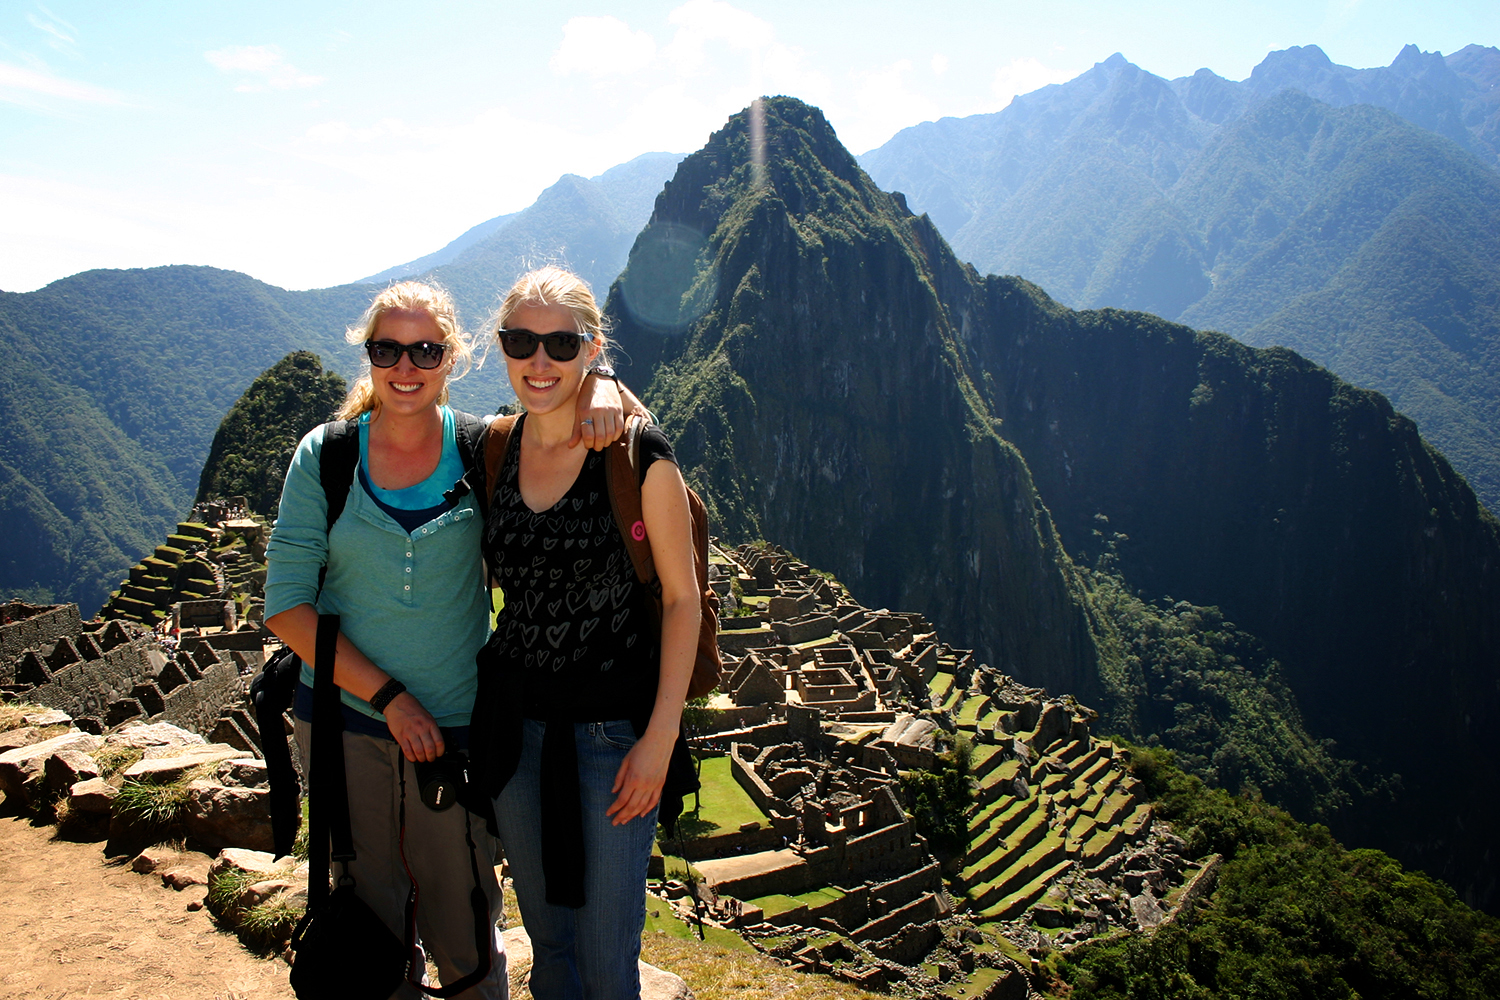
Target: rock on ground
x,y
656,984
218,816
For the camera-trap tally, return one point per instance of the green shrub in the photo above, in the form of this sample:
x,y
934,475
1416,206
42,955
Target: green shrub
x,y
151,804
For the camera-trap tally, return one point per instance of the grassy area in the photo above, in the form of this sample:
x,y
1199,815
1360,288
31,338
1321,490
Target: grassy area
x,y
776,903
939,686
968,715
714,972
974,984
10,715
724,806
820,897
661,921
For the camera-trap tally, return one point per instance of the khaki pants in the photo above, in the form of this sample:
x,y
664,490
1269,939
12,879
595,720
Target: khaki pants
x,y
435,851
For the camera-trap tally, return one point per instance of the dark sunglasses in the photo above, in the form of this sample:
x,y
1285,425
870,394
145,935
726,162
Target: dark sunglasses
x,y
424,353
561,346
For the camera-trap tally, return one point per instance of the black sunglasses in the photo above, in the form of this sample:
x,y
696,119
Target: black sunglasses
x,y
561,346
424,353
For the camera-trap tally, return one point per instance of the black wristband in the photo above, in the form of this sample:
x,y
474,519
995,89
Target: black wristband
x,y
380,699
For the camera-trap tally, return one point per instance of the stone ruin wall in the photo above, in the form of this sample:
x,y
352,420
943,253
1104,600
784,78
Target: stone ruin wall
x,y
117,672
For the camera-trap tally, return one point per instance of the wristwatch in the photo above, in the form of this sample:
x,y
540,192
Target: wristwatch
x,y
605,371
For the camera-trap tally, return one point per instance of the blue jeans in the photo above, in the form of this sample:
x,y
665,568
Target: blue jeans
x,y
590,953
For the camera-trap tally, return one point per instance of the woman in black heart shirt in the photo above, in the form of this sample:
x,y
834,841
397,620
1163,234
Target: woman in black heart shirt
x,y
580,698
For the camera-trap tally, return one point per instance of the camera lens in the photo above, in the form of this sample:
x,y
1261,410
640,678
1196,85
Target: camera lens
x,y
441,781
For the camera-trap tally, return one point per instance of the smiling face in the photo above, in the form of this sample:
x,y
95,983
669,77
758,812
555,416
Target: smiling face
x,y
543,385
405,389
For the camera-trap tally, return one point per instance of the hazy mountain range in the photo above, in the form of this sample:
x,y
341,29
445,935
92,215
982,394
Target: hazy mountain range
x,y
1352,215
584,224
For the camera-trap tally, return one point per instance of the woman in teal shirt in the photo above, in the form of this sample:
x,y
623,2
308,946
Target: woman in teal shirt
x,y
404,574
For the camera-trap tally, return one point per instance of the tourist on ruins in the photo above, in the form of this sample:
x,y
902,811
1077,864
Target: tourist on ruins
x,y
580,702
403,571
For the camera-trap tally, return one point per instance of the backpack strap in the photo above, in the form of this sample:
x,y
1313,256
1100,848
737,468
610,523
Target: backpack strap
x,y
469,434
274,688
496,446
622,462
336,466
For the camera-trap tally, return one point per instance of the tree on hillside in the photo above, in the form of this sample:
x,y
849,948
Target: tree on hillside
x,y
255,441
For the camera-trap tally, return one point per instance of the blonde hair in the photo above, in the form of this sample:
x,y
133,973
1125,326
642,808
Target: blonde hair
x,y
554,286
407,297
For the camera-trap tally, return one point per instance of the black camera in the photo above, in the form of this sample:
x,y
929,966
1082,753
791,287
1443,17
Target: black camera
x,y
442,781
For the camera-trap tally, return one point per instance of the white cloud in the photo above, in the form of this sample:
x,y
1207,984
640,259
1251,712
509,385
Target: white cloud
x,y
883,105
57,33
939,64
700,22
1023,76
602,46
22,86
264,62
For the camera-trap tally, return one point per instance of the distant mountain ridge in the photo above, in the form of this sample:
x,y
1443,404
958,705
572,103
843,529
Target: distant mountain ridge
x,y
953,443
1364,239
585,224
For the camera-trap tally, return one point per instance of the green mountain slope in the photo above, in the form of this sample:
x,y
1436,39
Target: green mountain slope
x,y
117,384
836,383
1357,236
254,443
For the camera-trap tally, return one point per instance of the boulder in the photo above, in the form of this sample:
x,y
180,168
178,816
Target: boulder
x,y
244,772
259,892
659,984
183,876
93,796
1146,910
255,862
21,768
163,765
23,737
153,738
218,817
154,858
47,717
66,768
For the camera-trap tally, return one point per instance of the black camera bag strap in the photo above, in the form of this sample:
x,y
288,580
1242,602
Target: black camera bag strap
x,y
331,837
483,935
342,947
329,834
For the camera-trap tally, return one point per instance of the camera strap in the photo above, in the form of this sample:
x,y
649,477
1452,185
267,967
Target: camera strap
x,y
483,933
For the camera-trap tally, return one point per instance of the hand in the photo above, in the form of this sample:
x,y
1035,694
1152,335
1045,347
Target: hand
x,y
641,775
601,416
416,732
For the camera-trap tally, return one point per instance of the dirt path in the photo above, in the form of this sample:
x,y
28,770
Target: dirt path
x,y
76,926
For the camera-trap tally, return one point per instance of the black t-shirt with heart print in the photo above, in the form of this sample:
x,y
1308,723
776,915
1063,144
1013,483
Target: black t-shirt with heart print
x,y
576,624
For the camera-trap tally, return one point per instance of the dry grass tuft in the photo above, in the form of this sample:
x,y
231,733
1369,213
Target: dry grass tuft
x,y
10,715
714,972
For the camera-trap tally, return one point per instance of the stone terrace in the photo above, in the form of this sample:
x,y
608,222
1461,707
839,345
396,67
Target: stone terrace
x,y
823,704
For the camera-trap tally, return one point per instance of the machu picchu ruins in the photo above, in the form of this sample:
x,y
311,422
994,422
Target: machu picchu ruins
x,y
802,840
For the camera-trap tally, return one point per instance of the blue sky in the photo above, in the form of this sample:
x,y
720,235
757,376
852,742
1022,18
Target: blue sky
x,y
312,143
